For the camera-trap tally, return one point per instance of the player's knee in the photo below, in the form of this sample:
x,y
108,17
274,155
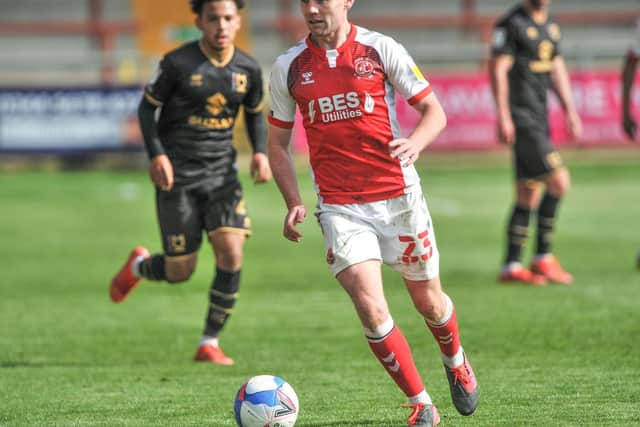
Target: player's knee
x,y
181,271
560,183
230,260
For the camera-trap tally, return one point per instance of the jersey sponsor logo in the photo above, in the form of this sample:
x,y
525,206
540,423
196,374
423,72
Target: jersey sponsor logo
x,y
532,33
216,103
211,122
239,82
196,80
341,106
363,67
307,78
545,52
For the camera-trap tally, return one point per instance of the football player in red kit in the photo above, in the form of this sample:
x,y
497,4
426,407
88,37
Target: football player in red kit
x,y
344,78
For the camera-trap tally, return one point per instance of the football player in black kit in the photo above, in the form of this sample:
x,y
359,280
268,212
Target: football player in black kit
x,y
198,92
526,62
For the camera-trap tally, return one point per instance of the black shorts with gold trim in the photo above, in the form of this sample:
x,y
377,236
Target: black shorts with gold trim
x,y
534,156
184,213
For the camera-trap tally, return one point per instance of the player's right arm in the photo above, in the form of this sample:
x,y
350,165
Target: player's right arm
x,y
284,173
499,67
155,93
281,120
503,49
160,168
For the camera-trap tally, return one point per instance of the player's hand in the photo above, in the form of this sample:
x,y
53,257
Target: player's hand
x,y
506,131
296,215
406,150
161,172
630,127
574,125
260,169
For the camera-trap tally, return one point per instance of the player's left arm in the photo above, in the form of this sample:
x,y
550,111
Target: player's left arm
x,y
562,87
432,121
256,129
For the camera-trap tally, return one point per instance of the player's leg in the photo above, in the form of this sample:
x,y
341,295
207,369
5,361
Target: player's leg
x,y
363,283
228,227
544,263
353,255
440,316
180,229
409,246
527,166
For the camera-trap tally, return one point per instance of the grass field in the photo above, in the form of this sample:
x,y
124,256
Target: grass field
x,y
567,356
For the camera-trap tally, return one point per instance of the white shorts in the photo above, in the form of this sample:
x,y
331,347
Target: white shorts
x,y
398,232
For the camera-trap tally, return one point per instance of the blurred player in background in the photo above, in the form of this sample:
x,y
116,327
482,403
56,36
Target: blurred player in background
x,y
370,207
199,90
525,62
629,124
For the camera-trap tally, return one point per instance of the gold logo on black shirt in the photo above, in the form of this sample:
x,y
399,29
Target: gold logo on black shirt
x,y
545,52
196,80
532,33
239,82
216,103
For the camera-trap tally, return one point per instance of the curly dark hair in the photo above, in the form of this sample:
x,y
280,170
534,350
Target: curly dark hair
x,y
196,5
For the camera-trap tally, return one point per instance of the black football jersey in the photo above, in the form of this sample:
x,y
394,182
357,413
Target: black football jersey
x,y
200,99
533,47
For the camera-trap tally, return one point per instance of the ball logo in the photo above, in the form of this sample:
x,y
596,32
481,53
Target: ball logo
x,y
363,67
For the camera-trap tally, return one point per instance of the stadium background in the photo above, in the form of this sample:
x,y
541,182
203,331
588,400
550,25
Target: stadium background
x,y
73,72
70,78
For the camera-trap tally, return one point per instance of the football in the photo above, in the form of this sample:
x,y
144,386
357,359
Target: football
x,y
266,401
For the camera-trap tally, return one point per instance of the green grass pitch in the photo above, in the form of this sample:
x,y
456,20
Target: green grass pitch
x,y
566,356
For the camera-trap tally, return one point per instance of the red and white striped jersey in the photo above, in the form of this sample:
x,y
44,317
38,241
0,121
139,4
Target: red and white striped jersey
x,y
347,100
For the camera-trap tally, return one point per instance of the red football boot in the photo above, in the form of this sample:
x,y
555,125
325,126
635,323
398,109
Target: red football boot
x,y
422,415
123,282
463,387
209,353
549,267
519,274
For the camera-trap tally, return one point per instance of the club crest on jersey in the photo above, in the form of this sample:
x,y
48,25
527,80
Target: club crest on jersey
x,y
239,82
307,78
363,67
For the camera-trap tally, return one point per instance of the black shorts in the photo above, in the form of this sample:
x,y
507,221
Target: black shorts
x,y
184,213
534,156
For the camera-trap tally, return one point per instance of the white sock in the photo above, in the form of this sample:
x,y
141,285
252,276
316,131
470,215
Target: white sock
x,y
455,360
512,266
135,266
422,397
380,331
212,341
